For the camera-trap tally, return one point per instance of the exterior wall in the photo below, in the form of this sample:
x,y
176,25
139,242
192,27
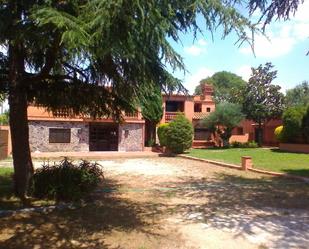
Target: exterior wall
x,y
268,133
39,136
239,138
8,137
41,114
131,137
4,140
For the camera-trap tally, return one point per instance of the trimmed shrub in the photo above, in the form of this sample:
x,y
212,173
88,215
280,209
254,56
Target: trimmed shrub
x,y
179,134
236,144
66,180
292,124
251,144
162,129
279,133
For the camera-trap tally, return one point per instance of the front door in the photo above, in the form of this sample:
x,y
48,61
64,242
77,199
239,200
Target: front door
x,y
103,137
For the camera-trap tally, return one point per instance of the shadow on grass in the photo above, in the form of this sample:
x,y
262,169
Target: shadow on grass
x,y
85,227
277,150
298,172
6,192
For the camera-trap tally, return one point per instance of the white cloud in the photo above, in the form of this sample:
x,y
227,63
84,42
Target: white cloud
x,y
198,49
244,71
202,42
273,47
193,79
194,50
283,35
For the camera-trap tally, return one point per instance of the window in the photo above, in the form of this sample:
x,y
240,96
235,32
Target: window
x,y
208,109
197,107
57,135
174,106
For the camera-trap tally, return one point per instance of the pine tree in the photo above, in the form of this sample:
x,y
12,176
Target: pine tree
x,y
93,56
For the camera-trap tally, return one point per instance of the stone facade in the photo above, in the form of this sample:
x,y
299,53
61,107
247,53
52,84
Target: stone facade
x,y
39,136
131,137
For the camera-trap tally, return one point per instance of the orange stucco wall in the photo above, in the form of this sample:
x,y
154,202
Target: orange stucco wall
x,y
5,141
189,101
39,113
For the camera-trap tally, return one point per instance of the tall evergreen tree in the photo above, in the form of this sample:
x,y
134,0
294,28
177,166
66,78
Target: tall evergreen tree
x,y
152,112
61,54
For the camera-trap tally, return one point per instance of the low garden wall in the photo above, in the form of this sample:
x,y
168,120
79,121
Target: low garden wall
x,y
302,148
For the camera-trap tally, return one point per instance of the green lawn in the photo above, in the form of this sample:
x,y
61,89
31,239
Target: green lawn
x,y
7,198
268,159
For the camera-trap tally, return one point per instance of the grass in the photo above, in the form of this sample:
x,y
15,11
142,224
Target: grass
x,y
7,199
263,158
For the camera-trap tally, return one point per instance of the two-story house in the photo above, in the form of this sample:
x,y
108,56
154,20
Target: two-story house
x,y
195,108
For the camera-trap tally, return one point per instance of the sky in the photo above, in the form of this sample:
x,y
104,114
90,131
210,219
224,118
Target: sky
x,y
286,48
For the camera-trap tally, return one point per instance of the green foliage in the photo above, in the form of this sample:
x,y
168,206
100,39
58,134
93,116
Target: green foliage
x,y
151,105
223,120
93,57
298,96
227,86
305,125
279,133
250,144
261,99
81,45
4,118
66,180
179,134
162,129
292,124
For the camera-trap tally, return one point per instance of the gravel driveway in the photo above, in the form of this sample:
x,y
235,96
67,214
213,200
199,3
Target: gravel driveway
x,y
173,203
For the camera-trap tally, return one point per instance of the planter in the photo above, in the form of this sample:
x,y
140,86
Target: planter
x,y
301,148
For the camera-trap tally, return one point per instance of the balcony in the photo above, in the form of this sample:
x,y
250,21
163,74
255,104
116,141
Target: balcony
x,y
169,116
132,115
200,115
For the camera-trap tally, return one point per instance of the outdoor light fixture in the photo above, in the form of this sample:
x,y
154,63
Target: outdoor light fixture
x,y
126,133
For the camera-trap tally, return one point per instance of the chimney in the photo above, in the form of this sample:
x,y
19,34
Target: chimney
x,y
207,90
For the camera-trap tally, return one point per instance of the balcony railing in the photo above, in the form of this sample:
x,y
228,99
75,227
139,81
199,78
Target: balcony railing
x,y
169,116
132,115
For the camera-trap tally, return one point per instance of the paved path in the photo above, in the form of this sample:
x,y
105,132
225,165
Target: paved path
x,y
95,154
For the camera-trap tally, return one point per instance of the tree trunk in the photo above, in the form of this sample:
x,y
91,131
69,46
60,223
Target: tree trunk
x,y
150,132
23,168
260,134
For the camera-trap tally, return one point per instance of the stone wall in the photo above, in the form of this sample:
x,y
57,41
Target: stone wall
x,y
39,136
131,137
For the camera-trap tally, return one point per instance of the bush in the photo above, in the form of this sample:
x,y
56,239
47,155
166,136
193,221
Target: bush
x,y
279,133
236,144
251,144
162,129
292,124
66,180
179,134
